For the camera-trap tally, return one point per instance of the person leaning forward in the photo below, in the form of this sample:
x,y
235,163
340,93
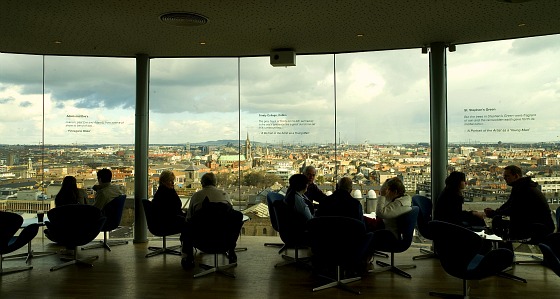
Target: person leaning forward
x,y
527,208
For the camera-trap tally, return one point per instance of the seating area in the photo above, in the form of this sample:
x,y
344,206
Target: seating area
x,y
10,241
126,273
160,229
73,226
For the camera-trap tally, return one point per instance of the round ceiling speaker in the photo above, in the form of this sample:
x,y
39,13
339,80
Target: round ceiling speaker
x,y
183,19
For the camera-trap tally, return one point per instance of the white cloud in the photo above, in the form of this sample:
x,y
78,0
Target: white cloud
x,y
381,96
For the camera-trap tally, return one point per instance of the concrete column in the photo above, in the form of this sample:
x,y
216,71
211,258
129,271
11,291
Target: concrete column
x,y
438,117
141,147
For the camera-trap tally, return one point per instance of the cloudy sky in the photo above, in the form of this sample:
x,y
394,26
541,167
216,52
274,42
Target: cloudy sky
x,y
505,91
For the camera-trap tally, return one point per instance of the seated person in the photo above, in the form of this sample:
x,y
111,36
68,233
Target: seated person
x,y
69,193
527,207
166,202
392,203
449,205
212,194
341,202
296,198
313,193
104,190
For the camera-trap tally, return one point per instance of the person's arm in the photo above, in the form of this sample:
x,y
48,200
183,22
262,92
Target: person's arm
x,y
360,212
99,201
302,208
380,205
505,209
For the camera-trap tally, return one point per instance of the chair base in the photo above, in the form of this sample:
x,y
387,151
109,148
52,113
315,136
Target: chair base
x,y
536,260
29,255
339,283
504,274
466,290
4,271
164,250
86,261
281,245
397,269
449,296
289,260
107,245
380,254
427,254
216,269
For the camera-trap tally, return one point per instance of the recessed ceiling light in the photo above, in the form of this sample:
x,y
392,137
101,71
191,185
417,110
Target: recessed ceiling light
x,y
521,24
57,42
202,43
360,35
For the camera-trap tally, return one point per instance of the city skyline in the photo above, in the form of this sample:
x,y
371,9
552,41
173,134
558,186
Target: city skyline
x,y
506,91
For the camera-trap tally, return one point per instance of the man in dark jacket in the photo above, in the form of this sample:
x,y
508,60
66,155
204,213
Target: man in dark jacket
x,y
527,209
341,202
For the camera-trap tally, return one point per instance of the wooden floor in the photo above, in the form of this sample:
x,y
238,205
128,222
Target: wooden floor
x,y
126,273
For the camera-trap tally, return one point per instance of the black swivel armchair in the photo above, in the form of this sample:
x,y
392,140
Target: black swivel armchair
x,y
271,197
160,228
214,229
293,233
458,251
557,216
339,242
424,205
73,226
538,235
550,249
384,240
113,211
10,223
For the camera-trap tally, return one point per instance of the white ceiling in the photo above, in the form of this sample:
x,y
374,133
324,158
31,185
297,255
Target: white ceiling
x,y
124,28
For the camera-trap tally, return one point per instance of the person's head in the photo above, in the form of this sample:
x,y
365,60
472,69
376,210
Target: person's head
x,y
104,175
167,179
69,183
456,181
395,188
512,173
345,184
208,179
298,182
310,172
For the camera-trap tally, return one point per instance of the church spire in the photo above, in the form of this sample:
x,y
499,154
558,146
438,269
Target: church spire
x,y
248,153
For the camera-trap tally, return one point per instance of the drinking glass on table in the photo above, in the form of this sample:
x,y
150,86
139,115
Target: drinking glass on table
x,y
40,216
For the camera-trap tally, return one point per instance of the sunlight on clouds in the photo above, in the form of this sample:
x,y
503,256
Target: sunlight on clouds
x,y
195,100
366,83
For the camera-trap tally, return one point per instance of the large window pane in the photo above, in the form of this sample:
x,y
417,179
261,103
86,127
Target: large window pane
x,y
287,122
194,123
67,116
383,118
21,132
502,110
